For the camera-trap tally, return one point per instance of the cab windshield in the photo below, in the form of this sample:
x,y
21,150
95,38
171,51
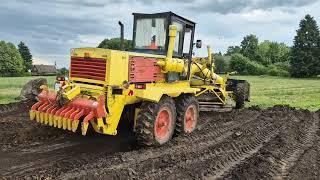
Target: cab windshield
x,y
151,34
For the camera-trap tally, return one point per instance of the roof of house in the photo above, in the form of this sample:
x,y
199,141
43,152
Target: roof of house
x,y
44,68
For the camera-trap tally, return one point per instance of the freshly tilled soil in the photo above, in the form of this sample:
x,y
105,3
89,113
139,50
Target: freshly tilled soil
x,y
275,143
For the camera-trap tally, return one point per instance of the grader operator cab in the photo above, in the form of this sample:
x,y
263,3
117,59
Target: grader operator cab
x,y
158,86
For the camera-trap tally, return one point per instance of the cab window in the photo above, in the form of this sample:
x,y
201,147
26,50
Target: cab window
x,y
187,40
179,38
150,34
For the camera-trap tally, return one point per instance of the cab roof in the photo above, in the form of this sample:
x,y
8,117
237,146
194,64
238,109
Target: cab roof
x,y
164,14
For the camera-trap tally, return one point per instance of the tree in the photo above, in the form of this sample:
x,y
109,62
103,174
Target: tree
x,y
285,52
273,52
220,64
26,56
11,63
239,63
263,51
305,58
63,72
218,54
244,65
233,50
249,47
278,52
114,43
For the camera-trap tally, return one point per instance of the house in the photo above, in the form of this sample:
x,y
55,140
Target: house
x,y
43,70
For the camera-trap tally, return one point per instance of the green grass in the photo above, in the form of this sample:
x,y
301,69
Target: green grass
x,y
268,91
10,87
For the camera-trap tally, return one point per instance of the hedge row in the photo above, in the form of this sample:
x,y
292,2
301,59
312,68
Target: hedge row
x,y
245,66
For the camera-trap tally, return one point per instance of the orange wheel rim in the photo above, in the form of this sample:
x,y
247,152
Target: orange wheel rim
x,y
163,124
190,119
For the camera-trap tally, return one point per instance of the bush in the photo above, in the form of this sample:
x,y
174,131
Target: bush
x,y
25,74
244,66
283,65
254,68
239,63
273,70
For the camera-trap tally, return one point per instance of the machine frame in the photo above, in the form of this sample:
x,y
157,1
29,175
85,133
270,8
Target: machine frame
x,y
155,90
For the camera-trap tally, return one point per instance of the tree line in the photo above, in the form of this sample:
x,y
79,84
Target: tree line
x,y
114,43
14,61
252,57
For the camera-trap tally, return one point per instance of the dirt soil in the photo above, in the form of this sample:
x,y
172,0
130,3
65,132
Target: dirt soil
x,y
274,143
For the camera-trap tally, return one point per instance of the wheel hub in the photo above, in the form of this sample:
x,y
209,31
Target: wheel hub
x,y
190,119
163,123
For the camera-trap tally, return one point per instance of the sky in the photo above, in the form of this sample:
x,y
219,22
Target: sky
x,y
51,28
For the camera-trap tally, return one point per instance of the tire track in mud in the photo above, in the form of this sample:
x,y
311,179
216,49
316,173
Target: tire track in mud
x,y
191,160
179,143
277,142
308,164
31,166
308,135
212,161
30,162
276,159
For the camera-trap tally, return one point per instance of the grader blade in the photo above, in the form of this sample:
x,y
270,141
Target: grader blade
x,y
67,117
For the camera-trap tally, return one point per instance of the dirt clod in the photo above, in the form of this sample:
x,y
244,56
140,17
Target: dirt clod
x,y
274,143
31,89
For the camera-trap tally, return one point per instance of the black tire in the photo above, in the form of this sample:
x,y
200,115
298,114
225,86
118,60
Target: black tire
x,y
146,122
240,95
183,103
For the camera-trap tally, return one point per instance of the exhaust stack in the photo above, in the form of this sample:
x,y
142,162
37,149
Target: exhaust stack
x,y
121,35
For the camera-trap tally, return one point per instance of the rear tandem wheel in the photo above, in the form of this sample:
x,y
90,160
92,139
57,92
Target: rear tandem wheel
x,y
187,114
156,122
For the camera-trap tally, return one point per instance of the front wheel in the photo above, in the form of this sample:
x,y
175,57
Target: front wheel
x,y
156,122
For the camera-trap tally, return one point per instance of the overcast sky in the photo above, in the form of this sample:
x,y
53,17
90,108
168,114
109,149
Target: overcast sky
x,y
50,28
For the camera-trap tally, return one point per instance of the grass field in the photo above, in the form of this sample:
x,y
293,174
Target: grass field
x,y
10,87
266,91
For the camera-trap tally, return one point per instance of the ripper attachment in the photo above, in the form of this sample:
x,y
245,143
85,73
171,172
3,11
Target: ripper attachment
x,y
65,110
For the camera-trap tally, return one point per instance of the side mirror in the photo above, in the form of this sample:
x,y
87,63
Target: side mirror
x,y
199,44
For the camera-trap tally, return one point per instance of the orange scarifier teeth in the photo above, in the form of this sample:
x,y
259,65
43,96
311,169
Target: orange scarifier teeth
x,y
66,119
68,116
71,118
50,122
34,109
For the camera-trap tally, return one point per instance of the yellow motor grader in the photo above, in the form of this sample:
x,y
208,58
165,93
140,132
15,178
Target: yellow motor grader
x,y
158,85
